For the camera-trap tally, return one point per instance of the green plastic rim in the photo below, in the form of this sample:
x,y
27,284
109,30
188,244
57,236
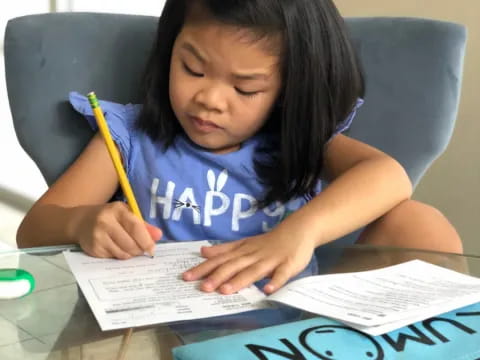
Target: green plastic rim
x,y
16,275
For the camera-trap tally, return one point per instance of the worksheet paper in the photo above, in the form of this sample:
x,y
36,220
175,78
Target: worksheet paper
x,y
379,301
143,291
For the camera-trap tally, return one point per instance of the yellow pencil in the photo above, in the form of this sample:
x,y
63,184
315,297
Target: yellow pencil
x,y
115,156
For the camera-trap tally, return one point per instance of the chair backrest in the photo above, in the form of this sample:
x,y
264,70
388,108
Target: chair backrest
x,y
413,71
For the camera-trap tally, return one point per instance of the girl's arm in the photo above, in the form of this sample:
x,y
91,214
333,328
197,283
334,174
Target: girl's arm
x,y
74,210
364,184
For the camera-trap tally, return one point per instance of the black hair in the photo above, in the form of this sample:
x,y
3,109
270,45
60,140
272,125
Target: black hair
x,y
321,82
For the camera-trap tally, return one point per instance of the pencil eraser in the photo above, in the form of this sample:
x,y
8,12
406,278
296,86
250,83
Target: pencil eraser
x,y
15,283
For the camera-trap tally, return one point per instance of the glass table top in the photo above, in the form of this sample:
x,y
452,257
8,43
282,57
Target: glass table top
x,y
55,321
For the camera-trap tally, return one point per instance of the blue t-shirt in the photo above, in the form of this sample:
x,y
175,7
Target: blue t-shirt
x,y
187,191
193,194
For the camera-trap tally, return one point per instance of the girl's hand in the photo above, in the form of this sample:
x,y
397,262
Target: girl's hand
x,y
113,231
233,266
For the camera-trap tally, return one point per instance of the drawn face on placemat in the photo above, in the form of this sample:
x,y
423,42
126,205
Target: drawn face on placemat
x,y
335,342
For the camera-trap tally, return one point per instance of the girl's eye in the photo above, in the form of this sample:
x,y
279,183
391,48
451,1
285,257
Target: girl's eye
x,y
190,71
246,93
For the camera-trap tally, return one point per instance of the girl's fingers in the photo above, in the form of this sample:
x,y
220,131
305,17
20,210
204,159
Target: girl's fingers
x,y
225,272
154,232
138,233
280,277
105,248
122,239
96,246
116,252
246,277
215,250
97,251
207,267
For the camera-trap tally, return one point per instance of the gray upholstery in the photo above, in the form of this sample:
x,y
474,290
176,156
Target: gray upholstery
x,y
49,55
413,69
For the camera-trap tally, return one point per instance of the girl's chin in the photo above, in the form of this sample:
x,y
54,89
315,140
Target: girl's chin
x,y
214,147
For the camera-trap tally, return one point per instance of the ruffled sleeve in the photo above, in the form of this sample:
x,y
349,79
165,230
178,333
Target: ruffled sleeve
x,y
120,119
344,125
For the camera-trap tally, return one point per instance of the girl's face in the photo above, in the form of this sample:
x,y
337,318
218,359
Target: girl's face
x,y
223,84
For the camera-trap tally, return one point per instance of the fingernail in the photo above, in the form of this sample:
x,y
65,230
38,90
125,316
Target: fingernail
x,y
187,275
226,289
269,288
207,285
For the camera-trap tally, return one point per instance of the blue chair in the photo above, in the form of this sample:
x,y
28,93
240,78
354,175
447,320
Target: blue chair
x,y
413,71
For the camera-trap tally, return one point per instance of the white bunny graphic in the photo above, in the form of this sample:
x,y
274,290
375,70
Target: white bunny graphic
x,y
215,186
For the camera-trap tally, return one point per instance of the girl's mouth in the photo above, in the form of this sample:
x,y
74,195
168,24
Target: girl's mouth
x,y
203,125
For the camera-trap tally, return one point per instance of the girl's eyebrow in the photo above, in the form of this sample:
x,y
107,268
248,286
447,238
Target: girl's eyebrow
x,y
189,47
255,76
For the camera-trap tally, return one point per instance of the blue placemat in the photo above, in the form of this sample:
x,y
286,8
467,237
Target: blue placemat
x,y
453,336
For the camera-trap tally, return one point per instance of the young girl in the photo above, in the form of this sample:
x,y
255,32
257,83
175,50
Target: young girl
x,y
244,106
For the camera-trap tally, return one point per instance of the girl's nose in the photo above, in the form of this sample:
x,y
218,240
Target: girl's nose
x,y
212,97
